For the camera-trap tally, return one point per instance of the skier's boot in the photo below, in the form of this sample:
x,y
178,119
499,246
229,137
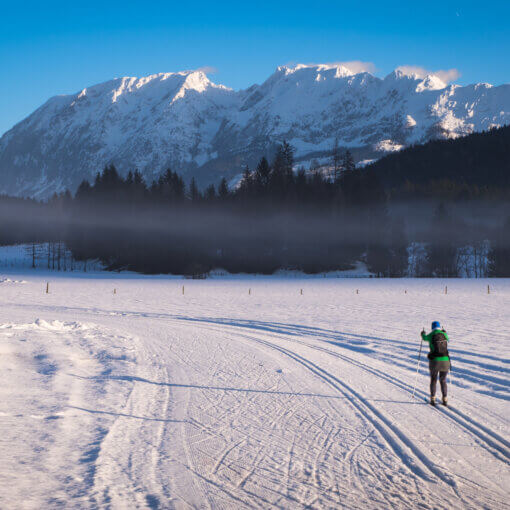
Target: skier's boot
x,y
433,401
445,401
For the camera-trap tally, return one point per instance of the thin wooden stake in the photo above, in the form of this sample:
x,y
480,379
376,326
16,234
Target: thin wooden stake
x,y
249,292
488,289
357,291
47,287
301,291
115,291
183,290
446,290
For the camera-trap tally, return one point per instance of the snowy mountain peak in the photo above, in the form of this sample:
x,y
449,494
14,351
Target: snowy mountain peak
x,y
398,75
340,70
184,121
431,82
152,86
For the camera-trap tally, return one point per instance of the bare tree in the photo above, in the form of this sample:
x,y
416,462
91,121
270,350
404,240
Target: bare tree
x,y
462,261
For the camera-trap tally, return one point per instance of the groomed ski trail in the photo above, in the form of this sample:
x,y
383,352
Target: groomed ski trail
x,y
139,406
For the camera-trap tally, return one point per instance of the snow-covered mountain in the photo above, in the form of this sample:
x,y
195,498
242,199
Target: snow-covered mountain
x,y
184,121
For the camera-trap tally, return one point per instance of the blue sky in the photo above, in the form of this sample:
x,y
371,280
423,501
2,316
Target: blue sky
x,y
53,47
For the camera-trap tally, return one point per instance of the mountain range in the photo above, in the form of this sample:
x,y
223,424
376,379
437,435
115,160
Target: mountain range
x,y
188,123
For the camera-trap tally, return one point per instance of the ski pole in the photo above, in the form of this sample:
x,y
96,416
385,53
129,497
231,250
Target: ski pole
x,y
450,375
450,380
417,368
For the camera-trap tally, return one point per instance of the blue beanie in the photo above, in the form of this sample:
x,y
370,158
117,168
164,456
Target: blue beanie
x,y
436,325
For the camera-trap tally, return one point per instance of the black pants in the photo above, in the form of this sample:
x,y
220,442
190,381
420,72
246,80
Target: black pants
x,y
434,372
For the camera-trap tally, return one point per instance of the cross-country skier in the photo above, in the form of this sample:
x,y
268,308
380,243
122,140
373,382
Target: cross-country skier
x,y
439,360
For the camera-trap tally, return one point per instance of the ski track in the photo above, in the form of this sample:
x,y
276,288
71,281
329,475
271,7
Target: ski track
x,y
480,432
124,408
496,445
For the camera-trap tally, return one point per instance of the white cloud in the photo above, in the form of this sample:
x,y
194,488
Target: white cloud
x,y
208,69
445,75
448,75
421,72
356,66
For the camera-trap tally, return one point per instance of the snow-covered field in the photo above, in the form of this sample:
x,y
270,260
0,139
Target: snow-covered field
x,y
226,397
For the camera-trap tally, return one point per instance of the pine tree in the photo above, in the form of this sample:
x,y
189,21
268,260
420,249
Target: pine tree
x,y
139,189
262,174
194,194
83,190
335,158
348,164
223,191
281,177
210,193
246,185
288,157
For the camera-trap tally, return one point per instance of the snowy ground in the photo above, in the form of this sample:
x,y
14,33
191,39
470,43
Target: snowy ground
x,y
229,398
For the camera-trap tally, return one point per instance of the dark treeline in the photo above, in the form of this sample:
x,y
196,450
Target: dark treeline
x,y
275,218
471,167
278,218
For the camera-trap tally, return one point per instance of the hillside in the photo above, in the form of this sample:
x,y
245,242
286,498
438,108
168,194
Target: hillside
x,y
477,163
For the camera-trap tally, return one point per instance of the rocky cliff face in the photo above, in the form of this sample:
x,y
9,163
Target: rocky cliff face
x,y
184,121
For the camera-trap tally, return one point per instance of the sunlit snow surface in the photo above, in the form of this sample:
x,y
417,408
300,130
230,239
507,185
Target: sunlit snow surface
x,y
248,393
